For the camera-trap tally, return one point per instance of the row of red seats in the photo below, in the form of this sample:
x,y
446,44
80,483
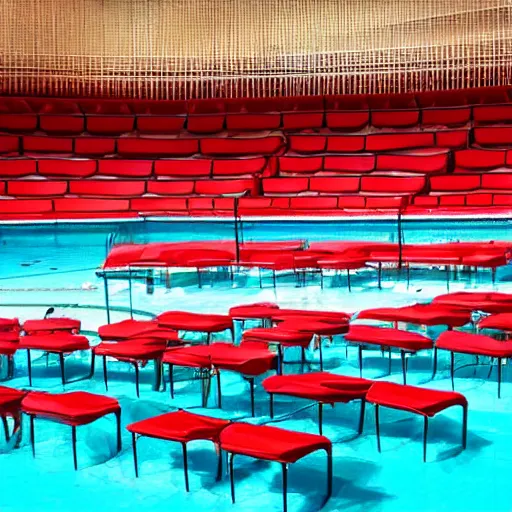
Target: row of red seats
x,y
448,108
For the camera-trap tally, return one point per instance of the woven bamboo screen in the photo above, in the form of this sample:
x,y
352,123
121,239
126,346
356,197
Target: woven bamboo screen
x,y
233,48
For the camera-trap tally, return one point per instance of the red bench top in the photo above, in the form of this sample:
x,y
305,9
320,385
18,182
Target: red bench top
x,y
73,408
9,324
426,402
253,311
198,322
142,349
315,326
58,342
10,400
134,329
491,302
180,426
501,321
271,443
285,337
478,344
51,324
386,337
319,386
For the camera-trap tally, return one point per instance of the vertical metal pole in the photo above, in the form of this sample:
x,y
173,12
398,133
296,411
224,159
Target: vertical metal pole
x,y
399,226
134,445
107,304
130,292
237,241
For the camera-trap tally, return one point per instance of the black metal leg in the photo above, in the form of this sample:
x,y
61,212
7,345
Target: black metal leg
x,y
425,433
171,380
32,435
377,427
360,360
404,367
303,356
280,357
434,368
329,474
232,331
493,276
389,360
105,374
185,465
499,377
118,424
408,275
271,403
136,365
61,363
29,366
6,428
464,426
261,284
452,368
219,392
361,416
135,462
285,486
274,277
208,338
232,476
320,417
73,435
348,280
380,275
320,353
219,464
251,383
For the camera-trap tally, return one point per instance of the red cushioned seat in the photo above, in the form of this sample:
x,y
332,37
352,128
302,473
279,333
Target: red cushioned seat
x,y
347,113
248,146
9,144
493,136
275,444
257,311
190,357
490,302
452,139
132,146
206,116
393,110
9,344
284,186
18,122
150,205
392,185
501,181
47,325
57,342
445,116
125,168
299,165
314,203
235,187
17,168
395,141
477,344
182,427
500,321
127,329
307,143
98,124
455,183
36,188
62,124
26,206
477,159
10,406
421,163
184,168
198,322
171,188
160,117
341,185
67,168
351,164
107,188
385,337
492,114
284,337
91,205
239,167
315,326
74,408
345,143
36,144
243,121
422,401
9,324
97,146
419,314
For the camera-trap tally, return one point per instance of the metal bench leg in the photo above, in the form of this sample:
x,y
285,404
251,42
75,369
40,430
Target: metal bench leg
x,y
73,436
377,426
271,404
320,417
285,486
135,462
232,476
185,465
105,374
118,425
452,368
425,433
464,426
360,361
29,366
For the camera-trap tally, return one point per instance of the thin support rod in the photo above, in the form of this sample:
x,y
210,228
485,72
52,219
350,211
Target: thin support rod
x,y
251,383
285,486
232,476
360,347
130,292
107,302
499,377
105,373
185,465
32,435
135,460
404,366
219,391
118,425
464,426
452,369
29,366
73,436
61,363
320,417
425,434
377,426
271,404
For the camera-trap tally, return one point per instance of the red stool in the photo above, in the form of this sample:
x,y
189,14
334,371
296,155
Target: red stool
x,y
74,409
274,444
181,427
422,401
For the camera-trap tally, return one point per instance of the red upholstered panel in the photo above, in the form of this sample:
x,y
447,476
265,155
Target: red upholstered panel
x,y
200,203
225,187
132,146
314,203
239,167
3,188
492,114
413,163
302,120
452,139
475,159
125,168
307,143
479,200
493,136
184,168
508,159
18,122
107,188
90,205
385,202
9,144
155,124
452,200
454,116
300,165
224,203
345,143
94,146
171,188
14,105
36,188
285,186
208,123
394,118
392,185
67,168
256,146
388,142
207,106
501,181
455,183
36,144
159,108
351,202
160,204
105,107
342,185
253,122
427,201
62,124
25,206
348,120
17,168
109,125
354,164
502,200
